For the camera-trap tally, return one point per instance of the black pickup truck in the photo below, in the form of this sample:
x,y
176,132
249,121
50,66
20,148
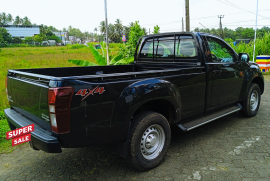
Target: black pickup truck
x,y
184,79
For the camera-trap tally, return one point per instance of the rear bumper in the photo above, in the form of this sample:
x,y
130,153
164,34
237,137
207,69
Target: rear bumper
x,y
41,139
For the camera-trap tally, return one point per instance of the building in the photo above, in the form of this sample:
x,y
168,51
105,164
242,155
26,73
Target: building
x,y
238,41
22,31
71,38
63,36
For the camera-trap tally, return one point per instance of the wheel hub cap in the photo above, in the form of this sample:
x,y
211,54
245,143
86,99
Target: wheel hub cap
x,y
152,142
254,99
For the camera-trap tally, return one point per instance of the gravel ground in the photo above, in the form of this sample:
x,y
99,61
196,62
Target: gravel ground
x,y
231,148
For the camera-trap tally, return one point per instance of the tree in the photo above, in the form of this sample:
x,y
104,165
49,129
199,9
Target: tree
x,y
102,27
144,31
26,21
17,20
39,38
54,37
16,40
28,39
156,29
95,30
5,19
135,33
131,24
118,26
49,33
5,37
113,33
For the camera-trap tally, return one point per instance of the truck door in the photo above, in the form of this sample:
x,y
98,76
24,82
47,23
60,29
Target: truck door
x,y
225,75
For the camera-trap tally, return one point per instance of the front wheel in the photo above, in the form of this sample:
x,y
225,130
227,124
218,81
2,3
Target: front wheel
x,y
252,101
149,140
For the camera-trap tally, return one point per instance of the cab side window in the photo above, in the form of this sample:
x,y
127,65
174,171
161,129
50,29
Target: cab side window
x,y
219,51
147,50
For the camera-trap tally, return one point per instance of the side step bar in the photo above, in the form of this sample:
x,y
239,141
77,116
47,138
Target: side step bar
x,y
209,118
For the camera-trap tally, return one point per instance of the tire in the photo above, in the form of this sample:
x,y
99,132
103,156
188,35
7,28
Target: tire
x,y
251,104
149,140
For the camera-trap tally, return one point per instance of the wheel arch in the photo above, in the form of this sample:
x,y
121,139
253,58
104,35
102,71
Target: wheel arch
x,y
161,106
259,81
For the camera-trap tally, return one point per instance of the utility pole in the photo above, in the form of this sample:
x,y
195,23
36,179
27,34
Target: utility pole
x,y
106,24
149,31
187,16
255,31
220,26
183,24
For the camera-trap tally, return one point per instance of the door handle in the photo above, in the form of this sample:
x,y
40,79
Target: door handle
x,y
217,71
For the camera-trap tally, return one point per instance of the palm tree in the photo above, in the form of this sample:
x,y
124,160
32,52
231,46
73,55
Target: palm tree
x,y
118,26
5,19
131,24
95,30
113,33
26,21
9,18
17,20
102,27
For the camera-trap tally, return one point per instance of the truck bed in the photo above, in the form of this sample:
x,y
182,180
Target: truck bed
x,y
97,71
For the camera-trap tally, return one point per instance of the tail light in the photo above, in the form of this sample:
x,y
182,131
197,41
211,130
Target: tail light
x,y
59,108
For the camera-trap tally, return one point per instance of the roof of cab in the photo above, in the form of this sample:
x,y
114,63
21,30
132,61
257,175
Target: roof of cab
x,y
170,33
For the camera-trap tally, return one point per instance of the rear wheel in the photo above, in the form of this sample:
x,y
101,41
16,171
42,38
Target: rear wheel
x,y
252,101
149,140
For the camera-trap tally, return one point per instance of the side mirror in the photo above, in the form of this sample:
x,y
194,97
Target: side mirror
x,y
243,57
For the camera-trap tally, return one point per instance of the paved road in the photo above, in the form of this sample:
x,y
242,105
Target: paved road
x,y
231,148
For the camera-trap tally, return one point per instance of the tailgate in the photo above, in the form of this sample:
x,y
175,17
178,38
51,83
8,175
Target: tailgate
x,y
29,96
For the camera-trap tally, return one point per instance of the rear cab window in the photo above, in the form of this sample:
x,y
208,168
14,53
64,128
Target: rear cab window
x,y
175,48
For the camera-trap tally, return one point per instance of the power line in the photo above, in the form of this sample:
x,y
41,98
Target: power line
x,y
237,22
202,25
176,28
179,21
235,6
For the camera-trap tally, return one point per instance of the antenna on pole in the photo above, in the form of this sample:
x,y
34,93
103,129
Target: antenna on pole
x,y
106,24
255,31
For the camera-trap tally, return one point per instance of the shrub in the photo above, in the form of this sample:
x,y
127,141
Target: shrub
x,y
125,61
99,59
262,47
76,46
116,59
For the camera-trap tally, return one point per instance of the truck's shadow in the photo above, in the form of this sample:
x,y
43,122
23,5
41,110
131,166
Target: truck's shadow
x,y
99,162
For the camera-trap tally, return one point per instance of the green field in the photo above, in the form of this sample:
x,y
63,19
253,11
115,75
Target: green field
x,y
32,57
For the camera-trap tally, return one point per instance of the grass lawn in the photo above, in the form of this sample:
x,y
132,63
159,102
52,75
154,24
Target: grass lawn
x,y
32,57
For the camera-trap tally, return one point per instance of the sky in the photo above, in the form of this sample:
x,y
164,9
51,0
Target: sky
x,y
87,14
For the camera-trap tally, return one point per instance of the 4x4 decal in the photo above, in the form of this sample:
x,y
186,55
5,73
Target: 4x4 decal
x,y
83,92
